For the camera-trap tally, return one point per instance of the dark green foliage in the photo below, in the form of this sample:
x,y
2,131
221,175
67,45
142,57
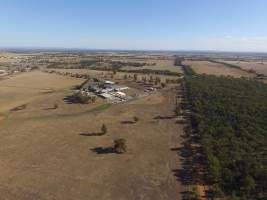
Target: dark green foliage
x,y
120,64
79,98
104,129
120,146
135,77
230,116
163,85
87,63
138,71
178,61
186,68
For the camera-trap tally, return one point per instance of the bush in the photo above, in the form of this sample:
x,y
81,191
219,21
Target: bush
x,y
79,98
120,146
136,119
55,106
104,129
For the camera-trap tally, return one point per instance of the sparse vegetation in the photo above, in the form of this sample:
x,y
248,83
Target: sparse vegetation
x,y
163,85
82,99
136,119
104,129
120,146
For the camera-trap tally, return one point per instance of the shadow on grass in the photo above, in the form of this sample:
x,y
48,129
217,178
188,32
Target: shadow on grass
x,y
91,134
103,150
127,122
164,117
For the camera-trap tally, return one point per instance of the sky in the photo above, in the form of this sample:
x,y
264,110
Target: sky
x,y
221,25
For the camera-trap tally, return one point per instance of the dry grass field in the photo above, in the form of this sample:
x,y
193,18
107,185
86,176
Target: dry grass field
x,y
160,65
23,88
109,74
48,154
206,67
259,67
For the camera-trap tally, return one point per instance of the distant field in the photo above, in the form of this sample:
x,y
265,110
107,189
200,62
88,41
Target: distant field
x,y
259,67
24,88
206,67
160,65
106,74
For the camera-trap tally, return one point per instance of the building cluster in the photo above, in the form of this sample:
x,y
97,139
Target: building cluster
x,y
105,89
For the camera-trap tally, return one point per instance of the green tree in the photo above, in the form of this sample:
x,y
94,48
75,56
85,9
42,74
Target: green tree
x,y
135,77
120,146
104,129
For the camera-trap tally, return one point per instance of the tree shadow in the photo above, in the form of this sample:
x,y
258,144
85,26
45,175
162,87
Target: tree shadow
x,y
18,108
193,168
164,117
127,122
91,134
103,150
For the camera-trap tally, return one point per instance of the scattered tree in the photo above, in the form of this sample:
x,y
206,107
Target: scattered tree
x,y
104,129
135,77
163,85
136,119
120,146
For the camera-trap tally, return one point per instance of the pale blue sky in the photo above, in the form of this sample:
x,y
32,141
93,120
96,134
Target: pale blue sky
x,y
229,25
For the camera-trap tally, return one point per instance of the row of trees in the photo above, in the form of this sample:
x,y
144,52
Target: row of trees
x,y
120,64
230,116
186,68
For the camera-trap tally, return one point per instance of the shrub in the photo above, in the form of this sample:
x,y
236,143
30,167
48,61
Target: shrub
x,y
104,129
177,111
135,77
120,146
55,106
136,119
79,98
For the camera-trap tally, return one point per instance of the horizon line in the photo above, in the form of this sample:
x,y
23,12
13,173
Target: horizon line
x,y
36,48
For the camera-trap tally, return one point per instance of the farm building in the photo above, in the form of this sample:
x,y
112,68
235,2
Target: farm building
x,y
106,89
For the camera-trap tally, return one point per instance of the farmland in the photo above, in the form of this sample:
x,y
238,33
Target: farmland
x,y
55,152
206,67
258,66
55,148
23,88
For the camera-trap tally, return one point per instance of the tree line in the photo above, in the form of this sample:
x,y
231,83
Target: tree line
x,y
230,117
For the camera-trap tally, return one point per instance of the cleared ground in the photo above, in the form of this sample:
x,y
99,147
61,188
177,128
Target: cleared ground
x,y
46,154
206,67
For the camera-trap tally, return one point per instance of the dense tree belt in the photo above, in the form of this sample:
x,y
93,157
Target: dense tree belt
x,y
230,116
